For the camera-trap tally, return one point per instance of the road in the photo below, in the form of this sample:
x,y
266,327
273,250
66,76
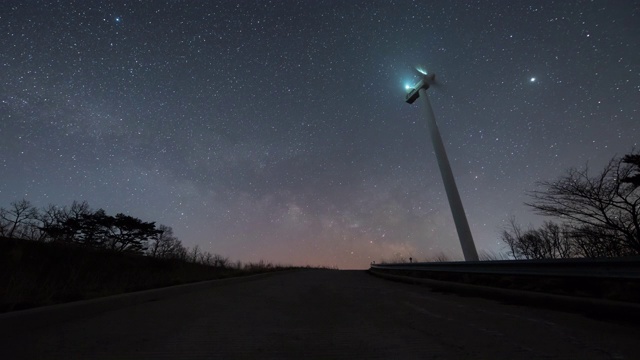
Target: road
x,y
324,314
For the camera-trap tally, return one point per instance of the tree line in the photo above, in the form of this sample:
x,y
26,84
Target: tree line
x,y
79,225
596,215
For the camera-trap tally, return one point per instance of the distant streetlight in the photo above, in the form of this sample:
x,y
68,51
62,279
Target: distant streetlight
x,y
459,217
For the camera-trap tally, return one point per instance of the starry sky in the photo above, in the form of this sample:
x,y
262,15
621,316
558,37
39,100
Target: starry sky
x,y
278,130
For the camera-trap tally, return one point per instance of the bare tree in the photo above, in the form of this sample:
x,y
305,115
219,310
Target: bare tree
x,y
550,241
557,242
605,204
220,261
206,258
40,223
181,253
65,224
165,244
511,236
634,161
4,224
194,254
595,242
15,219
49,217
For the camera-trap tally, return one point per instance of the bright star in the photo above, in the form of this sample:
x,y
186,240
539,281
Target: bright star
x,y
532,79
118,18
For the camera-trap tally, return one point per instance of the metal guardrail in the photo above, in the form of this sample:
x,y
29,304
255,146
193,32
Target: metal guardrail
x,y
618,268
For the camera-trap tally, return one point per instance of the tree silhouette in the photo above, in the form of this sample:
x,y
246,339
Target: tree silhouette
x,y
65,224
165,244
633,160
79,225
92,228
126,233
13,220
550,241
599,209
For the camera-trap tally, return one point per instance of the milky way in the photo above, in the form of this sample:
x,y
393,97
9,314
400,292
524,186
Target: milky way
x,y
278,130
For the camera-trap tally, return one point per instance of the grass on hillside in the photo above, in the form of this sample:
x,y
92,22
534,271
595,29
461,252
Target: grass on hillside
x,y
35,274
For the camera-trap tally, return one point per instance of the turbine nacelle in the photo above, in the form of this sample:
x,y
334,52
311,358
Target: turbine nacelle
x,y
424,83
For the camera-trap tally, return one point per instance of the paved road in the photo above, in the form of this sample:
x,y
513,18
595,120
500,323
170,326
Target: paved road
x,y
325,314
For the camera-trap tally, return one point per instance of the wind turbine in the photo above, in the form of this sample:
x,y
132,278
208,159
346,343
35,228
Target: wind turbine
x,y
462,225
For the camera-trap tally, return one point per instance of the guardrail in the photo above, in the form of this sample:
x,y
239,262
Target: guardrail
x,y
618,268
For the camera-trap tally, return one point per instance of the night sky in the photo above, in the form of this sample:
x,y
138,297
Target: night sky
x,y
278,130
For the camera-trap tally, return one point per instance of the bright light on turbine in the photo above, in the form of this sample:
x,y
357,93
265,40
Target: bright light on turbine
x,y
407,86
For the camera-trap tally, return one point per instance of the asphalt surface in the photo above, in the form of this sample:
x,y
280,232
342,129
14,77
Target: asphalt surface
x,y
322,314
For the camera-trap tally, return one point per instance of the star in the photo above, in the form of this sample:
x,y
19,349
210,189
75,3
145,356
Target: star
x,y
533,79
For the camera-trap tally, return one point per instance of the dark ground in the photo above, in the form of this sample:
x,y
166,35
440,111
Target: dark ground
x,y
323,314
34,273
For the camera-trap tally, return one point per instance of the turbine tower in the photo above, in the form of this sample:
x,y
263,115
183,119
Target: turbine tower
x,y
462,226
